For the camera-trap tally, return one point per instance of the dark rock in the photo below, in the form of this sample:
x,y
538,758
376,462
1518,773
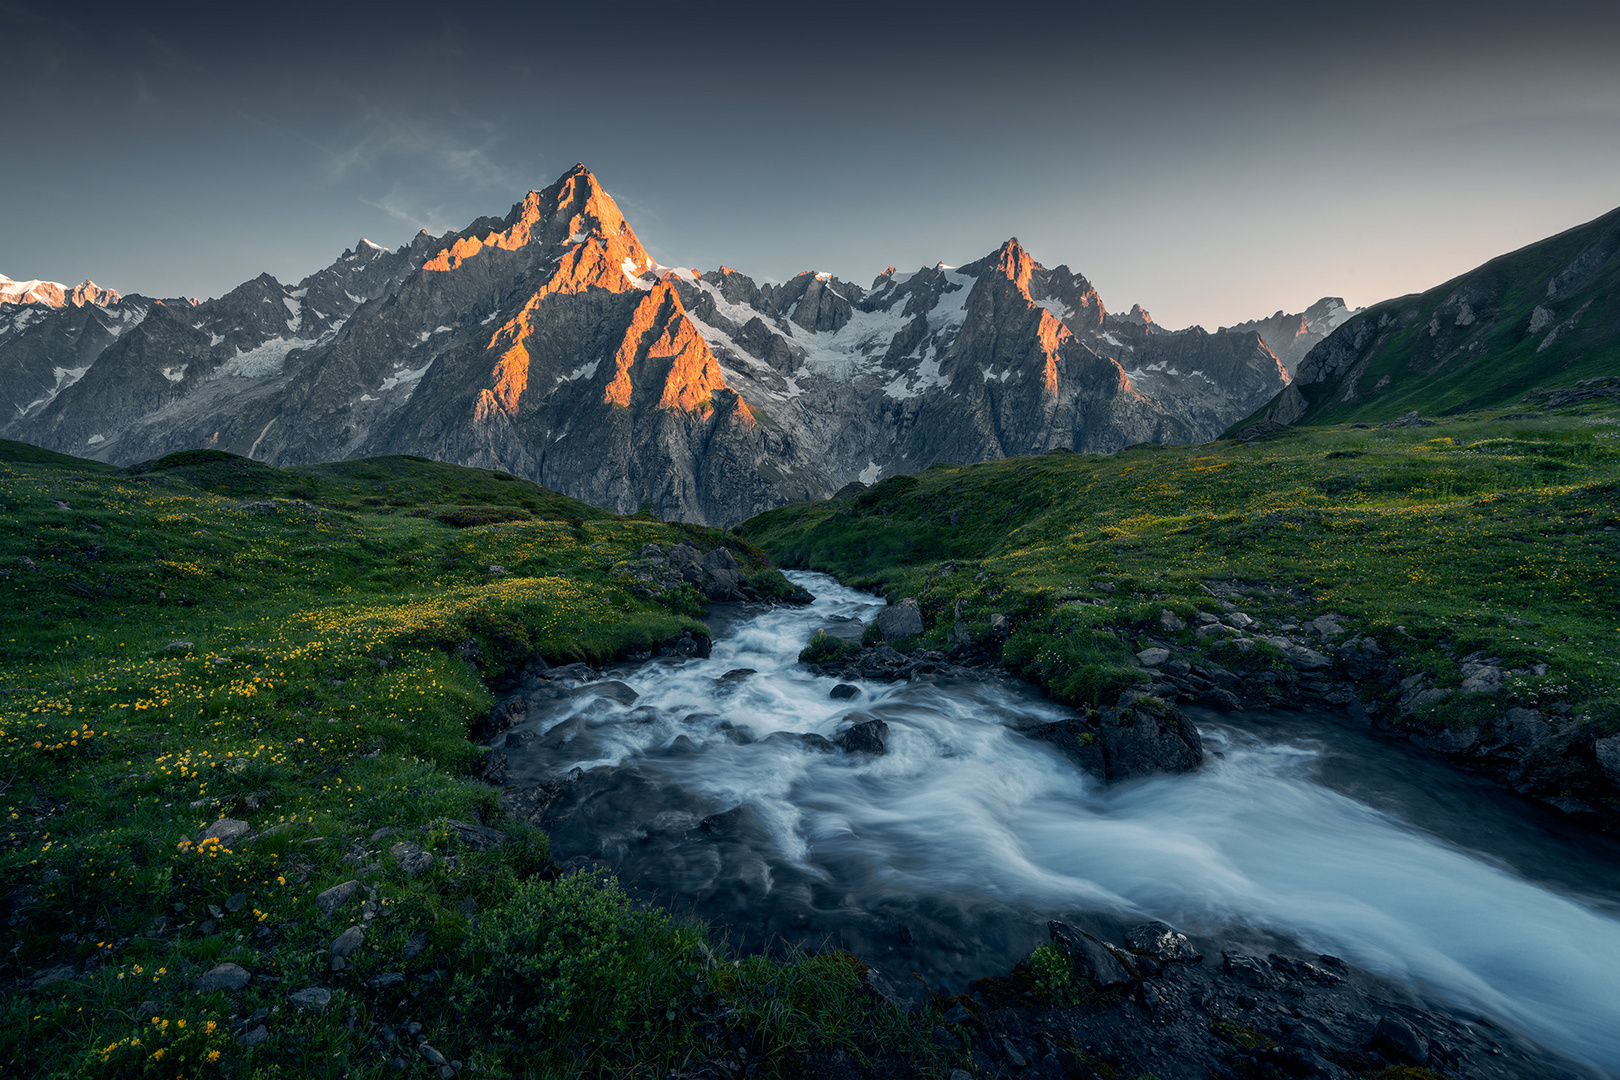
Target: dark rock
x,y
314,998
901,619
1089,955
809,740
737,674
1396,1035
734,822
224,977
843,692
1145,736
1247,969
477,837
253,1038
387,980
867,737
333,898
1162,942
226,831
1076,741
908,994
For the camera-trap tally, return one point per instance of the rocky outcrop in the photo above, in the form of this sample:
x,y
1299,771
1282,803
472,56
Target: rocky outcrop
x,y
1141,736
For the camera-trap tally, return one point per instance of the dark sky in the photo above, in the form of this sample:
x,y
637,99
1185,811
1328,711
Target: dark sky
x,y
1213,162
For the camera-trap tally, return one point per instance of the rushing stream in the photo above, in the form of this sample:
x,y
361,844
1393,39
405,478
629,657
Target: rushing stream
x,y
947,855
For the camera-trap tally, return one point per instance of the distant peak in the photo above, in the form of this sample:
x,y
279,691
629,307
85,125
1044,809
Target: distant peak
x,y
1014,262
54,293
1139,316
572,210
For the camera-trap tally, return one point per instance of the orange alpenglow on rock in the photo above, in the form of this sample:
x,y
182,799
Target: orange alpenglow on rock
x,y
572,210
1050,335
662,336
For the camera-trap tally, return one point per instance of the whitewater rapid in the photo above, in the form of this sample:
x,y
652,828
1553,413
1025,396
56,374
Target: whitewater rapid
x,y
951,850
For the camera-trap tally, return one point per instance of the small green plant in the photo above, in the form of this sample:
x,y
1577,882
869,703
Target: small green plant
x,y
826,649
1054,975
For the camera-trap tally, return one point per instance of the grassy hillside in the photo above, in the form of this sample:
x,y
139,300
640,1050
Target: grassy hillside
x,y
208,638
1545,316
1475,536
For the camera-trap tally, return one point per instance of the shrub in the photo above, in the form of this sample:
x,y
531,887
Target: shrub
x,y
1054,975
826,649
571,964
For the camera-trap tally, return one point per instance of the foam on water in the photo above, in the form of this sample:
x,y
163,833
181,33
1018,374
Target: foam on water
x,y
952,849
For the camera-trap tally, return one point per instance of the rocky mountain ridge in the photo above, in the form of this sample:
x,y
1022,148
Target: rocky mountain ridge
x,y
1541,320
1292,336
54,293
549,344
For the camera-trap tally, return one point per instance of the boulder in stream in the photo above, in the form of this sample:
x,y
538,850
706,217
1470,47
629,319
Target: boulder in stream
x,y
867,737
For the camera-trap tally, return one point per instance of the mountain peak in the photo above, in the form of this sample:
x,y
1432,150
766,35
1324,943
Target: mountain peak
x,y
1015,263
55,293
572,210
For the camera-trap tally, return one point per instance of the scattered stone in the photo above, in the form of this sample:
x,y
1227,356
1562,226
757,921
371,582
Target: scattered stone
x,y
844,691
1153,657
412,859
1240,620
414,947
345,945
477,837
901,619
226,831
314,998
254,1037
177,647
432,1056
229,977
52,976
1170,621
1411,419
333,898
387,980
1248,969
867,737
1481,678
999,625
236,902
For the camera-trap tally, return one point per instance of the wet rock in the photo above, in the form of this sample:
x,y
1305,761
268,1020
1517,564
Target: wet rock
x,y
809,740
314,998
1077,742
867,737
902,619
1247,969
1525,728
229,977
843,692
1396,1035
1145,736
737,674
734,822
613,690
1608,756
1089,955
1449,740
333,898
1162,942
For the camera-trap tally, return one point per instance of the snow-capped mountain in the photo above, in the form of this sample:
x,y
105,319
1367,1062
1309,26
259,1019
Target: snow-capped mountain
x,y
549,344
1292,336
54,293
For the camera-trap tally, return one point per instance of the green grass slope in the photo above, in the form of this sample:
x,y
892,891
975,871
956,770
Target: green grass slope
x,y
304,650
1545,316
1469,536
